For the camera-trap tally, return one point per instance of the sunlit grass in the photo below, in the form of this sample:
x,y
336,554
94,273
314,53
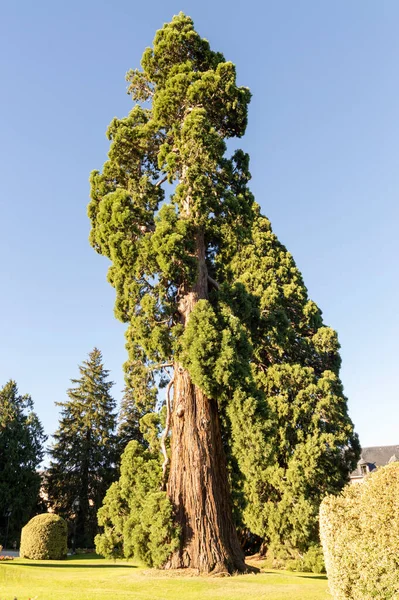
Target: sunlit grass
x,y
91,578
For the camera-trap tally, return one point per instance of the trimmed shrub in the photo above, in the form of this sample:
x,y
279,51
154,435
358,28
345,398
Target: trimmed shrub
x,y
44,538
359,531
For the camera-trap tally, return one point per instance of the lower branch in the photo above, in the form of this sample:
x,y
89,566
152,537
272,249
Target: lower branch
x,y
213,282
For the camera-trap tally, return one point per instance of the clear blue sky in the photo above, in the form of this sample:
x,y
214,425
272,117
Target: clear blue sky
x,y
323,137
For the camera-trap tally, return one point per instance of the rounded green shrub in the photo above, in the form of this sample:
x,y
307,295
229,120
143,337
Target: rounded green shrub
x,y
359,531
44,538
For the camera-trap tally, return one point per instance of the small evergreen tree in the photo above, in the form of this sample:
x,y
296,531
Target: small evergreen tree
x,y
206,288
21,452
84,452
136,515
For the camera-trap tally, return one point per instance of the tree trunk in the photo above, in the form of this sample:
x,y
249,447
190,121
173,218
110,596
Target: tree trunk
x,y
198,485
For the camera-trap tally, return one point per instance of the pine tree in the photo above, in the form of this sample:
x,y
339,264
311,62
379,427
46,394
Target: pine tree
x,y
21,452
83,454
206,288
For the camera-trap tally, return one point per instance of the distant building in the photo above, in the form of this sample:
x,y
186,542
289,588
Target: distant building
x,y
371,458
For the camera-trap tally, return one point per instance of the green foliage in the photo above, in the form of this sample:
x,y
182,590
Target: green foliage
x,y
310,458
254,341
153,538
44,538
360,536
21,452
215,349
136,516
310,562
313,560
295,365
84,453
283,557
201,346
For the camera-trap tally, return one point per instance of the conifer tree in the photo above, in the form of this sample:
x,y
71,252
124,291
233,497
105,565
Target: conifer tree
x,y
83,454
21,452
207,290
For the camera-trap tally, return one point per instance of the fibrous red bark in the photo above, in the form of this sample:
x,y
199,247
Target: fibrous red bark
x,y
198,484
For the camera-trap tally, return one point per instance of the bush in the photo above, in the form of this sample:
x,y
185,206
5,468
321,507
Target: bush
x,y
284,557
313,560
359,531
137,518
44,538
310,562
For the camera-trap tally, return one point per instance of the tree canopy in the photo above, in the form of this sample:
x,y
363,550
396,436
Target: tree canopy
x,y
212,298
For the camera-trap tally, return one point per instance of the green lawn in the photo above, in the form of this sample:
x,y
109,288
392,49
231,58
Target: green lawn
x,y
92,578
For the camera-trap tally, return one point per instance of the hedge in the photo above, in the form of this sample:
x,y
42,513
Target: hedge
x,y
44,538
359,532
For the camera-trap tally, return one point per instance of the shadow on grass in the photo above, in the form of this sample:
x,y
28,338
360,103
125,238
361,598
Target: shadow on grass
x,y
74,562
63,565
313,577
293,573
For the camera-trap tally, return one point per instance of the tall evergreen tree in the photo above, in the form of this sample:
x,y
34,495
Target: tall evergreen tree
x,y
206,287
83,454
21,452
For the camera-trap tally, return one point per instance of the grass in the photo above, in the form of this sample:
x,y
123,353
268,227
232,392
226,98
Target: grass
x,y
88,577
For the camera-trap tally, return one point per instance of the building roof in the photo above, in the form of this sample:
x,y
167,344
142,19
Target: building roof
x,y
375,456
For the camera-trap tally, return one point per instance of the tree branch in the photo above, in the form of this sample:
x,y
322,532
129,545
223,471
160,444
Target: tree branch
x,y
161,181
213,282
164,435
161,366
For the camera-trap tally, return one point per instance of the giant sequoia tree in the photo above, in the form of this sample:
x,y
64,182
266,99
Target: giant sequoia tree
x,y
211,297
